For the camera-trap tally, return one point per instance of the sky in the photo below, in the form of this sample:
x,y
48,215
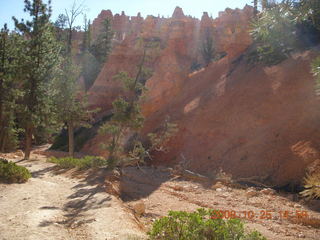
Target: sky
x,y
9,8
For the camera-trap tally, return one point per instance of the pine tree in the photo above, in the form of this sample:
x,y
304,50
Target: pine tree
x,y
39,59
86,39
207,48
9,51
127,118
60,25
90,65
126,114
71,107
61,21
309,10
102,46
3,74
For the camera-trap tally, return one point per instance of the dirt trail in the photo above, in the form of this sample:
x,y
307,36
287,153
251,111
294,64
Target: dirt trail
x,y
56,205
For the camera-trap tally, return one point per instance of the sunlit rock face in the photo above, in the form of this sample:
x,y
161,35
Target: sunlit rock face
x,y
178,13
260,122
232,116
231,30
178,38
97,24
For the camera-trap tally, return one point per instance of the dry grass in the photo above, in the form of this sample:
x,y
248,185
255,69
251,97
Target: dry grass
x,y
306,221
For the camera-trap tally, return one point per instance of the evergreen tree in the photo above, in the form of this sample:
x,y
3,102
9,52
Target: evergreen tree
x,y
61,21
127,118
39,59
274,33
309,11
207,48
86,40
71,107
126,115
9,73
285,27
60,25
90,65
101,48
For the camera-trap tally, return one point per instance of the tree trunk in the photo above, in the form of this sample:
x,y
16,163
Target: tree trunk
x,y
2,71
28,139
264,4
2,141
69,46
71,138
3,133
255,7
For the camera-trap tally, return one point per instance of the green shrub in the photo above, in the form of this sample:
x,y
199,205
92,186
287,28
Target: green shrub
x,y
199,225
312,186
12,173
81,163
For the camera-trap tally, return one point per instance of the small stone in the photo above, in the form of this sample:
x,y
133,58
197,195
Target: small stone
x,y
290,197
290,204
217,185
251,193
301,235
268,191
177,188
219,190
270,228
225,195
139,208
297,206
19,153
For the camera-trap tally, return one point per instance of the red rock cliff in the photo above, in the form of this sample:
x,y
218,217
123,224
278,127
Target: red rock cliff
x,y
249,121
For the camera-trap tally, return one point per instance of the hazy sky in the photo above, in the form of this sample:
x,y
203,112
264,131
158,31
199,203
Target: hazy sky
x,y
9,8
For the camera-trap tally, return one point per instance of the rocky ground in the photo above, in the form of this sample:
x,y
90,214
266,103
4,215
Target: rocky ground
x,y
56,204
276,215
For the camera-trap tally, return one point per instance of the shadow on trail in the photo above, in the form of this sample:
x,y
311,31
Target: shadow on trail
x,y
140,183
86,196
42,172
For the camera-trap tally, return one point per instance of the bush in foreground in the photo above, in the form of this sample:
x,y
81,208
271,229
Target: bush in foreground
x,y
12,173
199,225
312,186
80,163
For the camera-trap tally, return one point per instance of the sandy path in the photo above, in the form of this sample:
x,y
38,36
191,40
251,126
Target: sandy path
x,y
56,206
